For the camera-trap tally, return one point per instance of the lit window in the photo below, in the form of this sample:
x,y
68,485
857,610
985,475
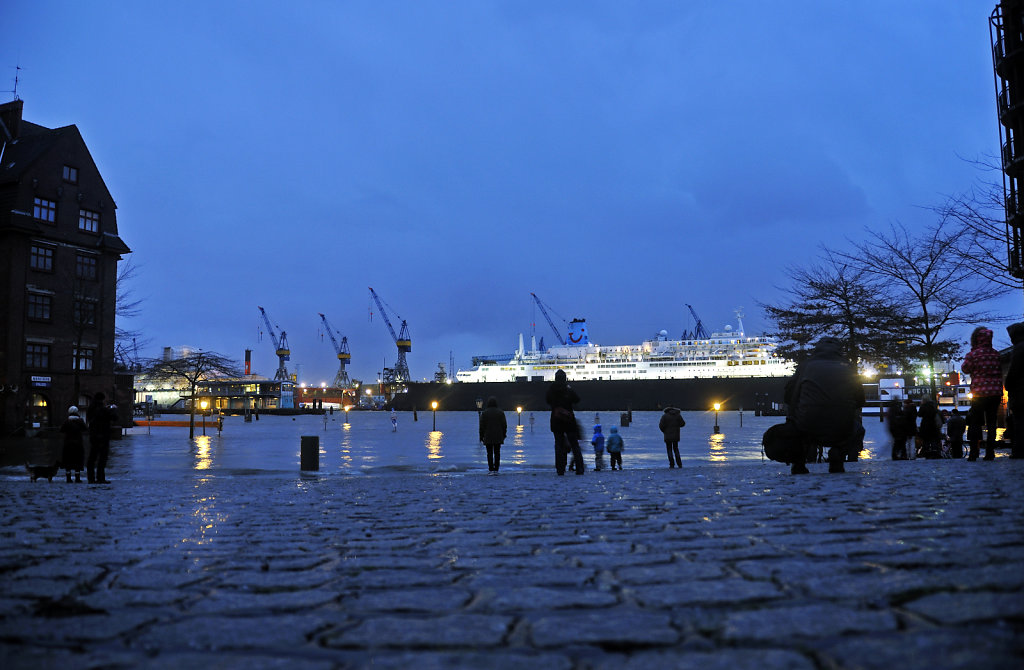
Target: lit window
x,y
70,174
83,359
85,267
88,221
37,356
41,258
39,306
44,210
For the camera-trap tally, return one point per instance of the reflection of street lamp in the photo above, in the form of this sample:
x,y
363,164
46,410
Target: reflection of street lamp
x,y
519,416
718,406
202,406
433,406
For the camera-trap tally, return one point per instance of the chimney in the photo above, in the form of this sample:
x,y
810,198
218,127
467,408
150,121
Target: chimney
x,y
10,120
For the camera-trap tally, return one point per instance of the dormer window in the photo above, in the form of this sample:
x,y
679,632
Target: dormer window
x,y
70,174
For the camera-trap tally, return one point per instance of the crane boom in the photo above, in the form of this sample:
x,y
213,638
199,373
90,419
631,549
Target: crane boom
x,y
280,348
551,323
344,357
402,340
699,332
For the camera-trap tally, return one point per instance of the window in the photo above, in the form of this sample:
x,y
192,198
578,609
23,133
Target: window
x,y
88,221
85,313
37,356
39,306
41,258
83,359
44,210
85,267
70,174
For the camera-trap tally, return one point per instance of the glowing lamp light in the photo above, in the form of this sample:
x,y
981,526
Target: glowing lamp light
x,y
717,407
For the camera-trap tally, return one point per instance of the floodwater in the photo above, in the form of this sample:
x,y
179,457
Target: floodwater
x,y
367,444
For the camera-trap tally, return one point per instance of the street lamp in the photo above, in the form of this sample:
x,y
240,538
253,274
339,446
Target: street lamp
x,y
202,405
519,416
718,406
347,408
433,407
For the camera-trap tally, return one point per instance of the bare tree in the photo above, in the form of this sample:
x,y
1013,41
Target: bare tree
x,y
930,275
126,306
980,216
192,368
837,299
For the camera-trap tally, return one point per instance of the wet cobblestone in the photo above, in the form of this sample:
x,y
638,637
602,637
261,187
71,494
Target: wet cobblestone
x,y
908,564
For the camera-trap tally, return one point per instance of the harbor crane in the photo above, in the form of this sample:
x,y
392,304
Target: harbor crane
x,y
341,380
402,341
280,348
561,340
699,332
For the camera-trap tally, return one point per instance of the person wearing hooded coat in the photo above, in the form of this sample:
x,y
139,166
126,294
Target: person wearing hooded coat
x,y
824,397
561,397
1015,389
669,425
493,430
982,364
598,443
73,455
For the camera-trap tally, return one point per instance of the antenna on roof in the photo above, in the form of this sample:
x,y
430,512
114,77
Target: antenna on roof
x,y
17,76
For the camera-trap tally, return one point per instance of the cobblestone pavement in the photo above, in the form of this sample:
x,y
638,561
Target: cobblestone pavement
x,y
891,565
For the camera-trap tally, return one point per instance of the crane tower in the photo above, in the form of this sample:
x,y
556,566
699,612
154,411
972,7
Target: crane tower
x,y
341,380
402,340
280,348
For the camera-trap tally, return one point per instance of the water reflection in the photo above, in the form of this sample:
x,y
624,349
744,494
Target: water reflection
x,y
201,451
434,445
717,453
345,447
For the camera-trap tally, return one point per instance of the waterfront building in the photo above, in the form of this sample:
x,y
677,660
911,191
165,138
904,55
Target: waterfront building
x,y
58,271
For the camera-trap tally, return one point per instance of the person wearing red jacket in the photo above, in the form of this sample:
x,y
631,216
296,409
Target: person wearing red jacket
x,y
982,364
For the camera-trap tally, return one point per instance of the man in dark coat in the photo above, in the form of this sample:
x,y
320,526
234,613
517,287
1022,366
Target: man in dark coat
x,y
1014,384
670,423
824,397
561,397
100,418
493,430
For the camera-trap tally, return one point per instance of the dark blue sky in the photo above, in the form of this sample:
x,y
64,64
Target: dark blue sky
x,y
619,159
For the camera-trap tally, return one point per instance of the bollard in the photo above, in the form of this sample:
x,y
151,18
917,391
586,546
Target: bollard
x,y
624,420
309,455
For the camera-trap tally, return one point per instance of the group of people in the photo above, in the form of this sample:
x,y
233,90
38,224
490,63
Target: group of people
x,y
824,398
567,432
97,423
925,432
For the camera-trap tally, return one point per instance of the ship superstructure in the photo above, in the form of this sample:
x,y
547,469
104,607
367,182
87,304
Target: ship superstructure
x,y
726,354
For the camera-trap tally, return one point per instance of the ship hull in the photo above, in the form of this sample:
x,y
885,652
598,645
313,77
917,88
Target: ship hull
x,y
749,393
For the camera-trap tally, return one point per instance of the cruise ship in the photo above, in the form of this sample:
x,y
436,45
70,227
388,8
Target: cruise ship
x,y
693,373
727,354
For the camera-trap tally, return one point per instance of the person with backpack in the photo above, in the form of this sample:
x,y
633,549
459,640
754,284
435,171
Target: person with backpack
x,y
671,421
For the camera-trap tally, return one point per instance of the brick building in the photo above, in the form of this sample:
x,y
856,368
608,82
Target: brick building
x,y
58,270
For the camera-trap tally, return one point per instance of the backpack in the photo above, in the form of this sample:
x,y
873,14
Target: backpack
x,y
783,443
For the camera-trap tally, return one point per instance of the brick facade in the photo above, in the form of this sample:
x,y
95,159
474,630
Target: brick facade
x,y
58,271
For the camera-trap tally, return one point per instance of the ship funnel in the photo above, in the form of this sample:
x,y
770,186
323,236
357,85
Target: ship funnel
x,y
520,352
577,333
